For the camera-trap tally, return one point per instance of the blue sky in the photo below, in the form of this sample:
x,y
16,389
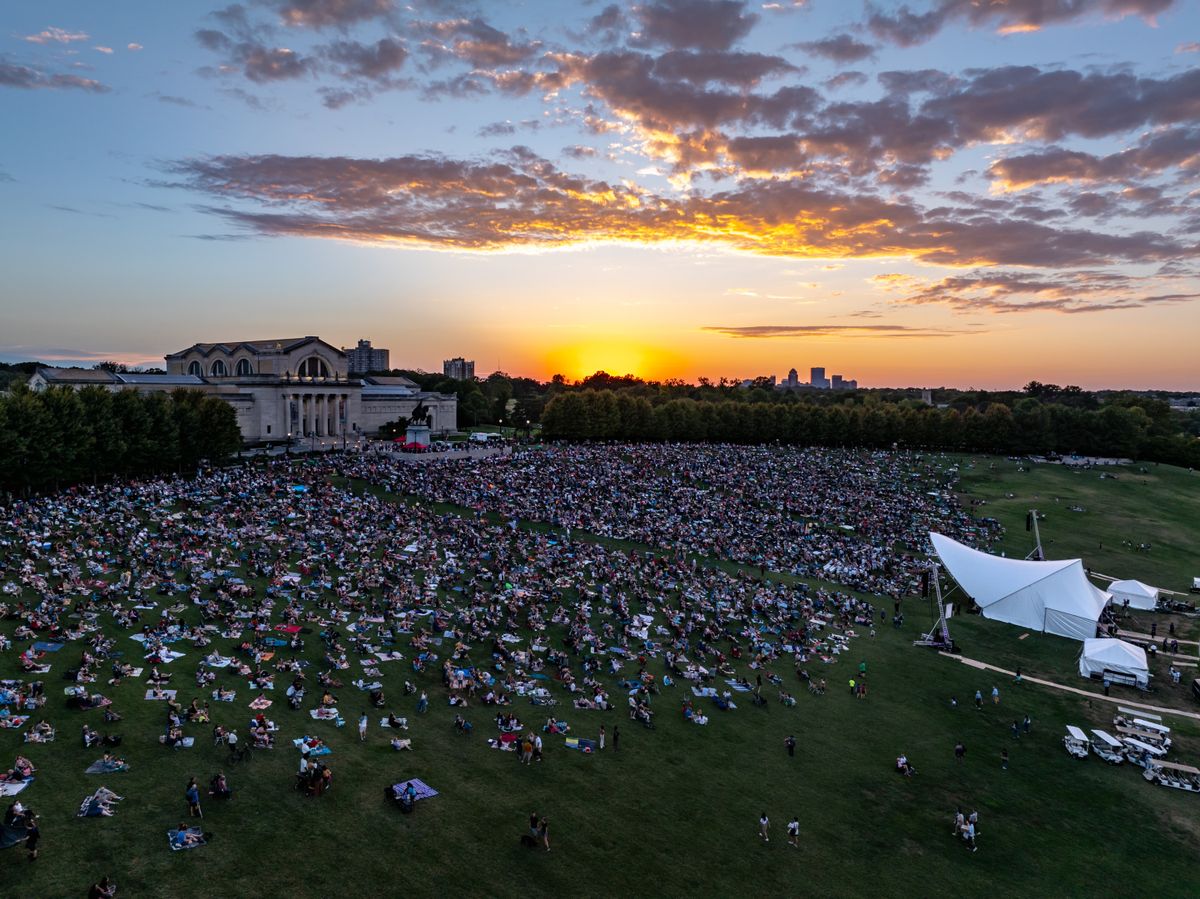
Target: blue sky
x,y
933,193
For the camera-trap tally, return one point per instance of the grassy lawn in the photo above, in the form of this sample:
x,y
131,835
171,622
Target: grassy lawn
x,y
674,812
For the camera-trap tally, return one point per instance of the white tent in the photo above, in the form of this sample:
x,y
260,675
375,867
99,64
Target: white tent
x,y
1140,596
1108,654
1053,597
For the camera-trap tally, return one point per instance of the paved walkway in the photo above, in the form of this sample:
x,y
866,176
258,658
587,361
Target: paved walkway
x,y
1046,683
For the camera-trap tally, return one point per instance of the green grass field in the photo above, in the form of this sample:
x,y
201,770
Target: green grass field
x,y
674,812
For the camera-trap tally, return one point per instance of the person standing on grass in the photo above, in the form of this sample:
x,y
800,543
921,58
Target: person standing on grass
x,y
544,832
33,834
534,823
422,703
362,728
978,701
601,736
1017,681
790,744
1016,731
793,830
995,695
960,751
192,795
1004,759
1026,724
764,827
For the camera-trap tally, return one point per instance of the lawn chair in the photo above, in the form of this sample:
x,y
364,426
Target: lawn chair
x,y
1077,742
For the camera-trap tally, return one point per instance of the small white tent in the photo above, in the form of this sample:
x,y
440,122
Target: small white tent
x,y
1140,596
1108,654
1052,597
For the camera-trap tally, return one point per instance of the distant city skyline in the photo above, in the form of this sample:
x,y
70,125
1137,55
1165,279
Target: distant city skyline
x,y
937,192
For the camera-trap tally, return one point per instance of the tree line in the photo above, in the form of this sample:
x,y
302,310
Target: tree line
x,y
61,436
1125,427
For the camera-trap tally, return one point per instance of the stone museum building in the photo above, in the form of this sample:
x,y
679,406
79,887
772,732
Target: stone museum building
x,y
294,388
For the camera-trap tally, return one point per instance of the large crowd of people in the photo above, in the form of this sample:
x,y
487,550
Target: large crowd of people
x,y
233,565
855,517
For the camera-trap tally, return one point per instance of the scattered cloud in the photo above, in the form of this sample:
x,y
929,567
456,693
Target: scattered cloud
x,y
105,50
803,331
694,24
29,78
134,47
57,36
906,28
840,48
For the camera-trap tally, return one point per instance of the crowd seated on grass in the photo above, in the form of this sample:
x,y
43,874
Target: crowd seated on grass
x,y
211,580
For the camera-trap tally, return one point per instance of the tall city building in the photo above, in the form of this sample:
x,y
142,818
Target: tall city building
x,y
366,358
459,369
817,378
793,378
835,382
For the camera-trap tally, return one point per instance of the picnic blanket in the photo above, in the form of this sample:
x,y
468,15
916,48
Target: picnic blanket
x,y
13,788
176,845
47,647
323,714
221,662
10,836
167,656
739,688
288,628
388,657
581,744
704,691
163,695
258,704
230,697
383,722
102,767
423,790
12,722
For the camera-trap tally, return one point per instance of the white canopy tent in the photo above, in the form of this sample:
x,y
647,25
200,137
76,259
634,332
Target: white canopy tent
x,y
1140,596
1051,597
1109,654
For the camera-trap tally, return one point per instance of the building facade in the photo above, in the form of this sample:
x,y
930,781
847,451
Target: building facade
x,y
287,389
366,358
459,369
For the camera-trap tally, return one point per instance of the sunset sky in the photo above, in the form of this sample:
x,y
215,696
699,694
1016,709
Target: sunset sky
x,y
937,192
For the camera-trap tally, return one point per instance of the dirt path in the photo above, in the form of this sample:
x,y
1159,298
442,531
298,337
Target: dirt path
x,y
1046,683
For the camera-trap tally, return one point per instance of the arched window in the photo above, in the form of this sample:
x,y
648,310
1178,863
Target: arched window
x,y
244,368
195,369
314,367
217,369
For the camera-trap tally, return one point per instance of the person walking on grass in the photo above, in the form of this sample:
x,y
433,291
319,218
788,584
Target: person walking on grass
x,y
601,736
1026,724
960,751
362,728
978,701
790,745
764,827
544,832
422,703
1004,759
995,695
793,830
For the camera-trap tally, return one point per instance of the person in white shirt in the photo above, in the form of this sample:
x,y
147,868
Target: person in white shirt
x,y
764,828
